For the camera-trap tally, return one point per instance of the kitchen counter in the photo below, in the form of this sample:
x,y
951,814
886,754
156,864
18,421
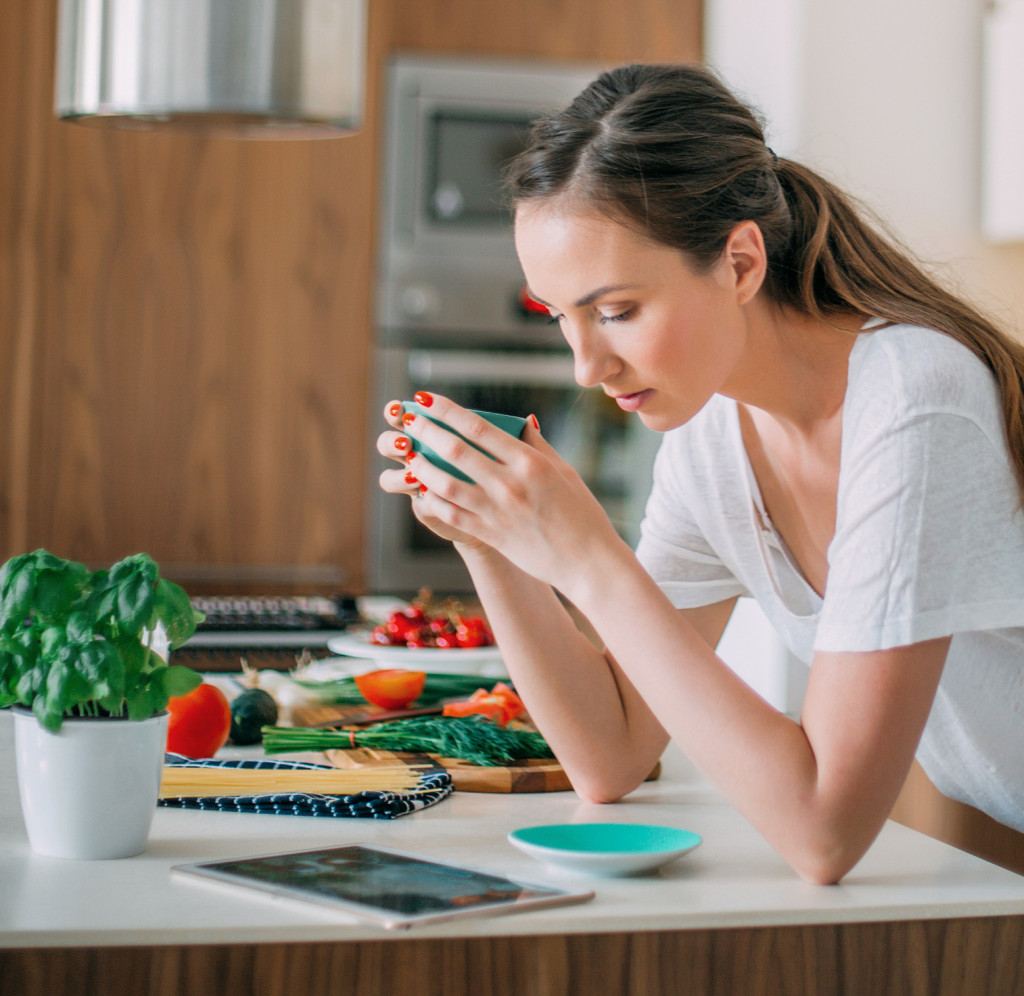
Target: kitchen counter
x,y
731,903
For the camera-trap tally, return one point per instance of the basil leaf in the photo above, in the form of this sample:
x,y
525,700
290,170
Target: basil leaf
x,y
18,587
172,607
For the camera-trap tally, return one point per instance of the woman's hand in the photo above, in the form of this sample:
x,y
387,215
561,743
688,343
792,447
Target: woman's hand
x,y
527,503
397,446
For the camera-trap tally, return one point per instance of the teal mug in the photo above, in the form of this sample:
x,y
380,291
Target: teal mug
x,y
511,424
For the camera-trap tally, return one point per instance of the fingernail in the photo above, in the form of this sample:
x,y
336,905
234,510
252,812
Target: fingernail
x,y
423,489
536,424
395,410
424,398
408,418
410,456
402,443
410,479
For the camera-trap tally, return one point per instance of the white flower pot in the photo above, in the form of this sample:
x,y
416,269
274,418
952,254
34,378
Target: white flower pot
x,y
89,790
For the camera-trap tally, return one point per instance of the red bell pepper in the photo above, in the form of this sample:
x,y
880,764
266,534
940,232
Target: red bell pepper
x,y
500,705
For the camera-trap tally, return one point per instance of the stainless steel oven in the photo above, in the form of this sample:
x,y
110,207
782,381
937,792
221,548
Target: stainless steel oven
x,y
452,315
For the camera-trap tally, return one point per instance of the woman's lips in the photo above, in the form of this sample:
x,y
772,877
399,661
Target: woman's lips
x,y
633,402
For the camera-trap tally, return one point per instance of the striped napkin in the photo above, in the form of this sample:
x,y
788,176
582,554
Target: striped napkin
x,y
376,805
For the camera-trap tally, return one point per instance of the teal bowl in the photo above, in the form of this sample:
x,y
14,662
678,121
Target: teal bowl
x,y
511,424
608,850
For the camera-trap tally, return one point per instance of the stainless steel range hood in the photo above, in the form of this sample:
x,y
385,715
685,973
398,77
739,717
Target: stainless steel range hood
x,y
245,68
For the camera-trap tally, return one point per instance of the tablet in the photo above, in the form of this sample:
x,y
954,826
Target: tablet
x,y
384,886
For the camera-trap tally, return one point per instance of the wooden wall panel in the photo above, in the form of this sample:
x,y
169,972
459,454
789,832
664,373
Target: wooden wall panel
x,y
602,31
186,321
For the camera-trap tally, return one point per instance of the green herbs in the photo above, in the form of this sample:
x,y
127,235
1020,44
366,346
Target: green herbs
x,y
473,739
343,691
75,642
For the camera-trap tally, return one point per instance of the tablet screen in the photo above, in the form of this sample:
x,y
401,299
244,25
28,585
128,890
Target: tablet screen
x,y
385,885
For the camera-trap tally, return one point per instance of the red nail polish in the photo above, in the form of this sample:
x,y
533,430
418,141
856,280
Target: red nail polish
x,y
395,410
424,398
423,489
410,479
402,443
408,418
410,456
536,424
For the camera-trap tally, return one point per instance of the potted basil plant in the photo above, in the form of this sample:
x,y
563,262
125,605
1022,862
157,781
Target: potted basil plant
x,y
83,665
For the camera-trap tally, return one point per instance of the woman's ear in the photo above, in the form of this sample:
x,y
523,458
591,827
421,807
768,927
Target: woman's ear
x,y
747,259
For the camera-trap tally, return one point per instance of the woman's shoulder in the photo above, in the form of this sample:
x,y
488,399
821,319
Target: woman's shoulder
x,y
913,370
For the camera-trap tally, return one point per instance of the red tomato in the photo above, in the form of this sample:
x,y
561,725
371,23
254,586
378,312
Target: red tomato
x,y
393,688
200,722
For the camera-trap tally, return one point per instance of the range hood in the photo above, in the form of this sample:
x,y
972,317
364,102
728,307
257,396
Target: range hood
x,y
242,68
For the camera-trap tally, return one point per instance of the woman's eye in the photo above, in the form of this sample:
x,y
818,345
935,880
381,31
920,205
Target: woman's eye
x,y
621,317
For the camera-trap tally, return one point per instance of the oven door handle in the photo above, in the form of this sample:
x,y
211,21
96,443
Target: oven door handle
x,y
452,366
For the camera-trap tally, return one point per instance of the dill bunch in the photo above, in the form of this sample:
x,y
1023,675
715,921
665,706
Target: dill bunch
x,y
472,739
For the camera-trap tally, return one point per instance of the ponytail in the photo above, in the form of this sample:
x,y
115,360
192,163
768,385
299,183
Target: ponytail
x,y
837,262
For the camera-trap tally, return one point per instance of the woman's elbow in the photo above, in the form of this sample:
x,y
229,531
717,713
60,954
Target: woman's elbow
x,y
825,864
600,789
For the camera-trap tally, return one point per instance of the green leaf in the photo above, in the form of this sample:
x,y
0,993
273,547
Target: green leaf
x,y
179,680
9,672
16,590
172,607
79,628
65,685
102,666
56,589
147,697
49,718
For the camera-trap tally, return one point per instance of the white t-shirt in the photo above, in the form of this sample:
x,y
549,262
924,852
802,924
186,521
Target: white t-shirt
x,y
929,542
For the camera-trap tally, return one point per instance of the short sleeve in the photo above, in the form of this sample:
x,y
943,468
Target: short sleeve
x,y
674,546
929,534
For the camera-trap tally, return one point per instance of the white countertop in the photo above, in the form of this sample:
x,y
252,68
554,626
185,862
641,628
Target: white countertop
x,y
732,880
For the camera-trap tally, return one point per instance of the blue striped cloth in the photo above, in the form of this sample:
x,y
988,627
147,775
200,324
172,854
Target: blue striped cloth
x,y
433,787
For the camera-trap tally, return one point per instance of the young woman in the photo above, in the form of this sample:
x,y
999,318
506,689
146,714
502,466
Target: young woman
x,y
844,442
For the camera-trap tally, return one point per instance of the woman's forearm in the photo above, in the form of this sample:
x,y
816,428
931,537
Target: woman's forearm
x,y
604,735
819,790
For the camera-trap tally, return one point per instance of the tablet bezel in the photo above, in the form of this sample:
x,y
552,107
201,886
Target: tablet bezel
x,y
224,872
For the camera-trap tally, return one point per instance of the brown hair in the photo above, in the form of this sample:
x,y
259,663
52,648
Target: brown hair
x,y
671,152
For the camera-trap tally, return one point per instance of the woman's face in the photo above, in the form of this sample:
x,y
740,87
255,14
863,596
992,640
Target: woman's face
x,y
657,337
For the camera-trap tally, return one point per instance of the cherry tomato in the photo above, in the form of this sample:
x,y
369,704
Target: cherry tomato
x,y
392,688
200,722
473,631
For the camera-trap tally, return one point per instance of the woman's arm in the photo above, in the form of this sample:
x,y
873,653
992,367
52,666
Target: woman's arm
x,y
602,731
819,790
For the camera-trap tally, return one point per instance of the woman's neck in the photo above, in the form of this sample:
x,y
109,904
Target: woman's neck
x,y
794,368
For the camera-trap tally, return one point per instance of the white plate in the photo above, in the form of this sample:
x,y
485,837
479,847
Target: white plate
x,y
608,850
470,660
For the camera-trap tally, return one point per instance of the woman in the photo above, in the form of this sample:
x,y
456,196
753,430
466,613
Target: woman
x,y
844,442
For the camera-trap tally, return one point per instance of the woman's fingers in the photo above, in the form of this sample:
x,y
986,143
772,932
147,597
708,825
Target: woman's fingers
x,y
393,412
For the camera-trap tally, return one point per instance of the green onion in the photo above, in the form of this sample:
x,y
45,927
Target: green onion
x,y
473,739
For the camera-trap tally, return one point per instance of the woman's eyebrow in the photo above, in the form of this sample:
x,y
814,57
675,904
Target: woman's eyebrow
x,y
587,298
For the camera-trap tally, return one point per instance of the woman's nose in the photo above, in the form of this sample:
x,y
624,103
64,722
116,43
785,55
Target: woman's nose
x,y
592,363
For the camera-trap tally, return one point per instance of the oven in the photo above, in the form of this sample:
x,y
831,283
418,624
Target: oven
x,y
452,315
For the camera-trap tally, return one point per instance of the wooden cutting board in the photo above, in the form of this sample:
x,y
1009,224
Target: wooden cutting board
x,y
532,775
535,775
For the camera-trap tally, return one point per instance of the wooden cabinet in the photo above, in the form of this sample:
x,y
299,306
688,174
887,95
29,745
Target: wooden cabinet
x,y
185,321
